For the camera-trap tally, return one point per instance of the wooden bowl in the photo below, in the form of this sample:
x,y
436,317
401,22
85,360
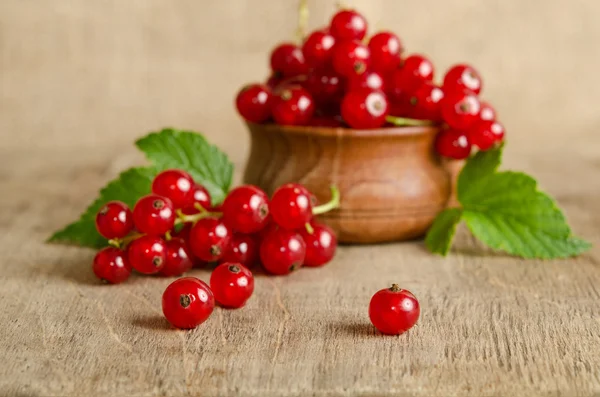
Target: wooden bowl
x,y
391,181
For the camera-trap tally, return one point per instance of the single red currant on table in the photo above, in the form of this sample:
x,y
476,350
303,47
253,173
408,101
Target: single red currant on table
x,y
291,206
460,109
453,143
232,284
176,185
114,220
287,60
187,303
178,259
485,134
293,106
393,310
111,265
209,239
201,199
246,209
242,248
386,49
351,58
348,25
320,245
254,103
462,77
154,215
147,254
317,48
365,109
282,251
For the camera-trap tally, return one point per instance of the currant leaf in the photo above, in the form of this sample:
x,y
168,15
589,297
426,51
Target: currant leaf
x,y
440,235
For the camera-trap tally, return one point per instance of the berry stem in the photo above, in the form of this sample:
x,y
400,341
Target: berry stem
x,y
302,20
183,218
309,228
403,121
395,288
332,204
119,242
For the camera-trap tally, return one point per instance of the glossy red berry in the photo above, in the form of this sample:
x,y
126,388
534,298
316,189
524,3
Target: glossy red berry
x,y
147,254
291,206
246,209
487,112
348,25
369,79
320,244
282,251
417,69
200,198
287,60
485,134
462,77
178,258
187,302
365,109
453,143
460,110
253,103
242,248
176,185
393,310
428,102
293,106
385,52
325,86
317,49
401,87
232,284
351,58
209,238
111,265
154,215
114,220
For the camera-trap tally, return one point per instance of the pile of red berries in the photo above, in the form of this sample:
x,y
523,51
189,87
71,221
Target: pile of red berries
x,y
337,77
176,226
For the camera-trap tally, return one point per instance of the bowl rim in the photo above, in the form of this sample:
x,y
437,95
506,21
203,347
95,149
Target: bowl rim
x,y
338,132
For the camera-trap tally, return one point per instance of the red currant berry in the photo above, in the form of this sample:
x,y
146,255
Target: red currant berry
x,y
402,108
453,143
287,60
348,25
282,251
485,134
460,110
462,77
209,238
114,220
365,109
320,245
246,209
176,185
401,87
385,52
293,106
154,215
394,310
317,48
291,206
242,248
232,284
417,69
253,103
147,254
187,302
201,198
428,102
178,258
487,112
351,58
273,82
111,265
370,80
325,86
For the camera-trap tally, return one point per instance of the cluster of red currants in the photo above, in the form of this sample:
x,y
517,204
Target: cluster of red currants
x,y
176,226
338,78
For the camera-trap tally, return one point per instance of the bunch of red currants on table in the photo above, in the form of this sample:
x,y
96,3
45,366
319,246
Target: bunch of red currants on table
x,y
337,77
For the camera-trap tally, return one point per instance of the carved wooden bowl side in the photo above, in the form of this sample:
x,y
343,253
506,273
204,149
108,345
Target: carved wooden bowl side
x,y
391,181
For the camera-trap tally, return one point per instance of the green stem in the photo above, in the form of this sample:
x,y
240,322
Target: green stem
x,y
403,121
332,204
119,242
309,228
182,218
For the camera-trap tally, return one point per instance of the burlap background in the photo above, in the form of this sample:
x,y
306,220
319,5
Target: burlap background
x,y
81,79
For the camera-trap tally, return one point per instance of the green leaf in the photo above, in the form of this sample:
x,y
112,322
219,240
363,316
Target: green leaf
x,y
440,235
128,187
475,171
191,152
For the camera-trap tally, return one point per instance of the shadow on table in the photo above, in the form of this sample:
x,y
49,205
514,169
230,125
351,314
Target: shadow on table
x,y
152,322
354,328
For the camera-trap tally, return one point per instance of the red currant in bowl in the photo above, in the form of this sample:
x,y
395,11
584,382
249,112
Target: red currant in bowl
x,y
111,265
453,144
176,185
253,103
291,206
282,251
369,79
462,77
460,110
325,86
209,238
365,109
114,220
201,200
351,58
246,209
317,49
287,60
232,284
417,69
428,102
394,311
147,254
486,134
385,52
154,215
187,302
487,112
243,248
348,25
178,260
320,244
293,106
